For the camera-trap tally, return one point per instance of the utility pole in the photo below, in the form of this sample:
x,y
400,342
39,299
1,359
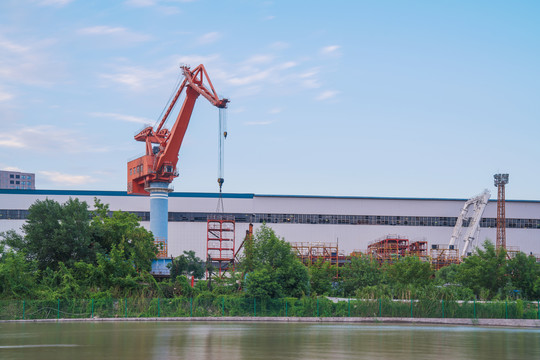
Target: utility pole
x,y
500,181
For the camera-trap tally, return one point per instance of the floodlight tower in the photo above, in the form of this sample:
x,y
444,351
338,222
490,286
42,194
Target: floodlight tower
x,y
500,181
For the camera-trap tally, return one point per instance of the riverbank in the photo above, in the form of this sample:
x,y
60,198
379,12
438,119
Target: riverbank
x,y
522,323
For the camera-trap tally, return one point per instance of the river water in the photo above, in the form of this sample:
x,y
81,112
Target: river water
x,y
219,340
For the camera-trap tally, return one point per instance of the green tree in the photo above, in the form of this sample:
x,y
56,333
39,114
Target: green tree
x,y
410,270
484,272
187,264
55,233
321,276
359,273
524,274
17,275
277,271
122,230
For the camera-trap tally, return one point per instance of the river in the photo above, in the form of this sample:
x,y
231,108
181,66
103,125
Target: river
x,y
215,340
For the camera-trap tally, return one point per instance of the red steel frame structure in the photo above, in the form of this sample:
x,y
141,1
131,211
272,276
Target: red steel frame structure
x,y
220,242
500,180
389,248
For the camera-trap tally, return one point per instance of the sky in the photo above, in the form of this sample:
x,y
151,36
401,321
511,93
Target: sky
x,y
381,98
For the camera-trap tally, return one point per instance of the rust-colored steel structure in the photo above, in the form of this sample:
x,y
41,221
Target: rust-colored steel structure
x,y
161,245
443,255
500,180
389,248
220,242
310,253
419,249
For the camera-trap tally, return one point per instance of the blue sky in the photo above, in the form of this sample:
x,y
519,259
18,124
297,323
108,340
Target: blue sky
x,y
354,98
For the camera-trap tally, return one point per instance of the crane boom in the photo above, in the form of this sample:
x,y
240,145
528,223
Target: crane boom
x,y
162,145
479,204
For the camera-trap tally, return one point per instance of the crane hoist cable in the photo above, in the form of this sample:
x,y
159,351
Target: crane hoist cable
x,y
222,135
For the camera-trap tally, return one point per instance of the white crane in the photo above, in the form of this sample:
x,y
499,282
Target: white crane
x,y
479,204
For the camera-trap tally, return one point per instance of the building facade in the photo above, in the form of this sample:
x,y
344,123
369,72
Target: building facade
x,y
17,180
351,222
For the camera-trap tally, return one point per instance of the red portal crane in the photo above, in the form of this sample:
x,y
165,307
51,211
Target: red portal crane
x,y
158,165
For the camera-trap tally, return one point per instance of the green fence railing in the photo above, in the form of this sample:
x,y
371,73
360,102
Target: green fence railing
x,y
221,306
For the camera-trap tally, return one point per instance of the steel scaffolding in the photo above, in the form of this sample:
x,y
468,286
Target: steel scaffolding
x,y
220,242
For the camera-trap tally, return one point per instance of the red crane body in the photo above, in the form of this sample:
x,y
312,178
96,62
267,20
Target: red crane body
x,y
163,145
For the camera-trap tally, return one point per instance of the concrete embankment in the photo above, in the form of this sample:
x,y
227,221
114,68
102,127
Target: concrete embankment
x,y
522,323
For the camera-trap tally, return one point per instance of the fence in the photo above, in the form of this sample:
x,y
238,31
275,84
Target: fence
x,y
239,307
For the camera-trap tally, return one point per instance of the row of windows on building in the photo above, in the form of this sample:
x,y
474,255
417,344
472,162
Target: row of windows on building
x,y
318,219
18,176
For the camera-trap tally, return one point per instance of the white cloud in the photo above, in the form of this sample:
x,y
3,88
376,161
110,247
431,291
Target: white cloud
x,y
136,78
5,96
12,168
209,38
258,59
147,3
28,62
67,179
122,117
140,3
275,111
120,33
325,95
331,50
46,138
258,123
58,3
11,141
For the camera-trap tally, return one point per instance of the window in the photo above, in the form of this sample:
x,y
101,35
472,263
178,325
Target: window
x,y
17,176
17,182
11,176
12,182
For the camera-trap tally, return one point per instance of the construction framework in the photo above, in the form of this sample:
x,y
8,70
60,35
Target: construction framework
x,y
443,255
389,248
220,242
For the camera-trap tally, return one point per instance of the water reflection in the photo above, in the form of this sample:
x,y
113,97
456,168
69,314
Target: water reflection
x,y
214,340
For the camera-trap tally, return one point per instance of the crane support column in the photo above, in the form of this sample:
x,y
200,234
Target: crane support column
x,y
159,210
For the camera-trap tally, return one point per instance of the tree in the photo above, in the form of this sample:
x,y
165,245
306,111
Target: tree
x,y
187,264
123,230
485,272
524,274
55,233
321,275
359,273
277,271
410,270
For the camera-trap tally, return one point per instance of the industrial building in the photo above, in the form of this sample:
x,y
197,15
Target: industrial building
x,y
17,180
351,223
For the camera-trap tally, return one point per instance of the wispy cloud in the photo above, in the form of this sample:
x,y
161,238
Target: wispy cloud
x,y
325,95
58,3
275,111
122,117
66,179
5,96
28,62
209,38
135,77
147,3
45,138
332,50
11,168
120,33
258,123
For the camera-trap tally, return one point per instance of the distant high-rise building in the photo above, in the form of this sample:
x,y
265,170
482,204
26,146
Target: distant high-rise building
x,y
17,180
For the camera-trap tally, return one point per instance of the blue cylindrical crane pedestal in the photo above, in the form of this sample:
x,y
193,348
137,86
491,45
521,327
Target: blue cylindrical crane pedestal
x,y
159,210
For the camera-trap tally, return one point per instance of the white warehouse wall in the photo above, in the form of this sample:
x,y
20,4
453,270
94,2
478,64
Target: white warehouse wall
x,y
192,235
